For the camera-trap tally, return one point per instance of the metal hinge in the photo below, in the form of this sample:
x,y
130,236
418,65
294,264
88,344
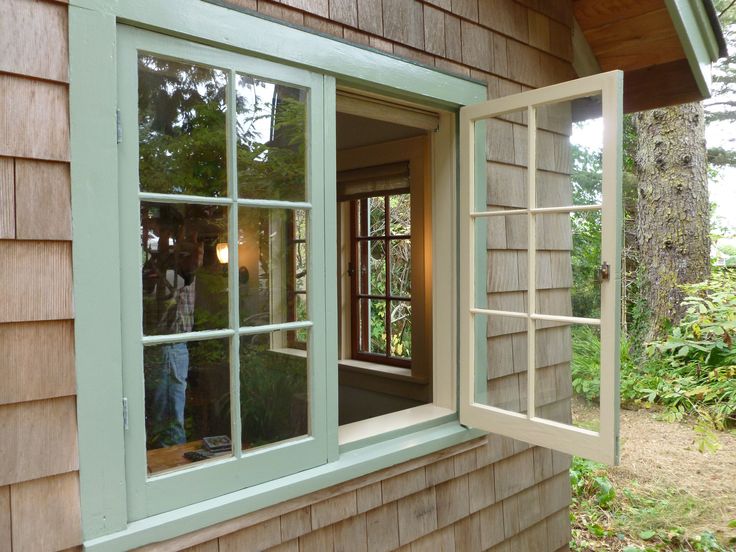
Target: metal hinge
x,y
125,413
119,126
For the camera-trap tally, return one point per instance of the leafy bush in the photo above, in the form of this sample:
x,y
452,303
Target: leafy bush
x,y
692,372
697,361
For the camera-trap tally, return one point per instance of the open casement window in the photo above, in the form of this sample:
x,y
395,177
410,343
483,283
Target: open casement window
x,y
540,248
222,227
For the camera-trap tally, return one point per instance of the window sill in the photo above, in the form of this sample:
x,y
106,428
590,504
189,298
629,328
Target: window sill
x,y
350,465
383,370
366,432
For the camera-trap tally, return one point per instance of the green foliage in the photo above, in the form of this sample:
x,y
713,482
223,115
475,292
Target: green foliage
x,y
586,253
691,373
697,361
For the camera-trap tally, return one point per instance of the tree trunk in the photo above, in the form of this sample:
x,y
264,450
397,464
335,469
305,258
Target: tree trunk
x,y
673,212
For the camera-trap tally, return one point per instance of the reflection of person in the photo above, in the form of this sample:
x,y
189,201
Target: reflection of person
x,y
174,290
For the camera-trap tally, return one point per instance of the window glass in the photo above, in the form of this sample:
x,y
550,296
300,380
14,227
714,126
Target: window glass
x,y
274,390
181,125
184,286
272,265
187,403
271,139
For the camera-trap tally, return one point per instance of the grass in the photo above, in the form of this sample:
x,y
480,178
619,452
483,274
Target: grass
x,y
636,518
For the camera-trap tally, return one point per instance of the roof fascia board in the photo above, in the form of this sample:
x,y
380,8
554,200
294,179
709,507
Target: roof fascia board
x,y
697,38
583,59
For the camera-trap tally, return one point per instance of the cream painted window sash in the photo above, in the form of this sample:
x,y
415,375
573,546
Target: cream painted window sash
x,y
601,445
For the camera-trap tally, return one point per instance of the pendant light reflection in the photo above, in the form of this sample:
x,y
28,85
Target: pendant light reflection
x,y
222,253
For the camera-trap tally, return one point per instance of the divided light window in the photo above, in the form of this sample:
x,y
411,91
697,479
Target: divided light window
x,y
540,239
381,272
219,243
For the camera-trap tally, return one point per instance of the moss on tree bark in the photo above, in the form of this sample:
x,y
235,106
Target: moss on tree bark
x,y
673,212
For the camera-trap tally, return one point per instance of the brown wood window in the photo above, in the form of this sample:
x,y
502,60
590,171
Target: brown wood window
x,y
381,275
296,300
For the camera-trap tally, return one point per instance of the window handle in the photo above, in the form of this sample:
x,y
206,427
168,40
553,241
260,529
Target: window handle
x,y
604,272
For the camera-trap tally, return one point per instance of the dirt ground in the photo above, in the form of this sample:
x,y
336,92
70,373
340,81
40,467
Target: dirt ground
x,y
657,455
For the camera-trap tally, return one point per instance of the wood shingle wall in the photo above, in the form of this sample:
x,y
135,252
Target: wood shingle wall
x,y
493,494
39,488
490,494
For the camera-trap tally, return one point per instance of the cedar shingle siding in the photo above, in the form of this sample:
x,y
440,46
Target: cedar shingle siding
x,y
492,493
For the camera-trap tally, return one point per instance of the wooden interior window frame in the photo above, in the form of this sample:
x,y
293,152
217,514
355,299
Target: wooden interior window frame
x,y
292,337
359,325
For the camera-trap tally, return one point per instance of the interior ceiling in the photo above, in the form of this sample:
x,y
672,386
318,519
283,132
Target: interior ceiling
x,y
638,36
354,131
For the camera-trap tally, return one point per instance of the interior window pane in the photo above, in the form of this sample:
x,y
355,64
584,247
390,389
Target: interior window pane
x,y
187,390
274,390
372,266
400,217
271,264
401,329
376,216
271,140
181,127
372,326
400,267
184,285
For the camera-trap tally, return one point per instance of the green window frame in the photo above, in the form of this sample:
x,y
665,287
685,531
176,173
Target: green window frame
x,y
120,507
156,493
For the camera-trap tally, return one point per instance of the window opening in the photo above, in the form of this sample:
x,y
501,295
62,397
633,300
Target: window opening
x,y
383,249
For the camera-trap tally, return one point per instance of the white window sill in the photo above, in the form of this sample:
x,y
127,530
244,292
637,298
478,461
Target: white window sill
x,y
360,433
374,368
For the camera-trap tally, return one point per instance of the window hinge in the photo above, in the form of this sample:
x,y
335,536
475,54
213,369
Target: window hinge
x,y
119,126
125,413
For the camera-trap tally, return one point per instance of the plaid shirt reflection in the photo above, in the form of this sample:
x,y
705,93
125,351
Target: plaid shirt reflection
x,y
177,314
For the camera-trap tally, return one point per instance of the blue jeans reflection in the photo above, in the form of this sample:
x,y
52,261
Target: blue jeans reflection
x,y
168,396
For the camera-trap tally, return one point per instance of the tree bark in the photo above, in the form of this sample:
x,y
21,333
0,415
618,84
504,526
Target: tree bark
x,y
673,211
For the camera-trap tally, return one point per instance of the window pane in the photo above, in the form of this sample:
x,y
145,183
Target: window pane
x,y
184,285
570,153
274,390
568,375
271,264
187,388
181,126
568,264
401,329
501,362
400,267
372,267
271,140
400,219
372,315
376,216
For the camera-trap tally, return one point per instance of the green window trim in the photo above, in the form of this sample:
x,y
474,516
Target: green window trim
x,y
167,491
108,504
